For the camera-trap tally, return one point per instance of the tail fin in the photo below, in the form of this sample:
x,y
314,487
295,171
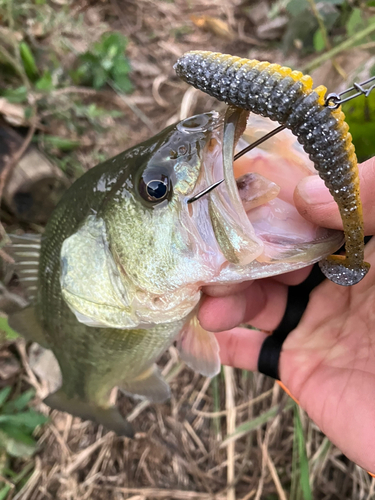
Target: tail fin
x,y
110,417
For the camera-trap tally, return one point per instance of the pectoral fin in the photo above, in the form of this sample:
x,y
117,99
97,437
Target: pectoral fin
x,y
26,324
150,385
110,417
199,348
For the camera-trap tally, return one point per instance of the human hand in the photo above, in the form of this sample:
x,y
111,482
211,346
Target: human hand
x,y
328,361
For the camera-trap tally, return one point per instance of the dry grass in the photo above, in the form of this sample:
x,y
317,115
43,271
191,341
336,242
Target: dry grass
x,y
177,452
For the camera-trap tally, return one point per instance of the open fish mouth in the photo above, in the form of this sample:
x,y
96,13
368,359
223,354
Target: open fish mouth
x,y
253,215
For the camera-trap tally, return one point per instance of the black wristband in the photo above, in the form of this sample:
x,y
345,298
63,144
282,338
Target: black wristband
x,y
298,298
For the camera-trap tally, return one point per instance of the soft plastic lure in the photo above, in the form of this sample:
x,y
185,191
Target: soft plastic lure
x,y
287,97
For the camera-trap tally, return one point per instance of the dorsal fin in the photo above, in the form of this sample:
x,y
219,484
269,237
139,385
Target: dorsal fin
x,y
25,250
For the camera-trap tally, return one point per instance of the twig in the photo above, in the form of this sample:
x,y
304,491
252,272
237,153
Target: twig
x,y
84,454
163,493
134,99
215,414
16,63
6,172
275,477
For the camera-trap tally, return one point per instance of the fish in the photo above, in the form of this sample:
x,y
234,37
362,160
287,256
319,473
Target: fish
x,y
288,98
117,276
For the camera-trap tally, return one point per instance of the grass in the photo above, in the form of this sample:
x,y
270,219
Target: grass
x,y
66,69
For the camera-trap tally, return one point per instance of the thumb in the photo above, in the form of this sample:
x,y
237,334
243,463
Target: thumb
x,y
315,203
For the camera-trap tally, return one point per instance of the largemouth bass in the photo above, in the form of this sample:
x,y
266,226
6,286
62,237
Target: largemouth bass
x,y
117,276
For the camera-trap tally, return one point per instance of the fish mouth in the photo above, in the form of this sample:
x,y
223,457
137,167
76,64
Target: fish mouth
x,y
253,216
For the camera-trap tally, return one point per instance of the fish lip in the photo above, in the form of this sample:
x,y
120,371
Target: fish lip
x,y
202,122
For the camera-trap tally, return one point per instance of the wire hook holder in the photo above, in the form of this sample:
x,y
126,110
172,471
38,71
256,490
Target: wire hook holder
x,y
333,100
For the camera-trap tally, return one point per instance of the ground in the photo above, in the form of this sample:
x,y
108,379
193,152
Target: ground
x,y
181,449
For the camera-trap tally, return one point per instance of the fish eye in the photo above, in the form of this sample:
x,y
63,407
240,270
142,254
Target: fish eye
x,y
154,189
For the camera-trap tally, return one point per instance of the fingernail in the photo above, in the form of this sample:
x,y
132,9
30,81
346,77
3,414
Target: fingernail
x,y
313,190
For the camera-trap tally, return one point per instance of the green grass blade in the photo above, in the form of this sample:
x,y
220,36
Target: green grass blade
x,y
4,393
303,463
4,492
216,402
255,423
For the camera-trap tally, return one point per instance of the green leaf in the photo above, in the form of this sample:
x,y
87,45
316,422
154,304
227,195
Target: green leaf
x,y
90,59
122,67
17,448
10,334
45,82
19,403
111,41
107,64
29,419
319,44
100,78
123,83
61,142
103,62
4,394
355,22
28,112
360,116
15,434
28,61
17,95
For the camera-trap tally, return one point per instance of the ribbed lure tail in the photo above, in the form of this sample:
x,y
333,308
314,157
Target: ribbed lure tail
x,y
287,97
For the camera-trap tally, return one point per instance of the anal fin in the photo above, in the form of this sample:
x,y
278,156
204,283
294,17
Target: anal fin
x,y
150,385
199,348
26,324
110,417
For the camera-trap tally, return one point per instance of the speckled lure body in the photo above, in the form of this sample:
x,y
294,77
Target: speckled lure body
x,y
288,97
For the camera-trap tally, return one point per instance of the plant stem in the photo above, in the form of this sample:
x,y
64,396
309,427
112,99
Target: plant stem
x,y
347,44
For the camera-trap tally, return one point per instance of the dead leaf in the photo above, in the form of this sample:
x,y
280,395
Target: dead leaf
x,y
44,364
214,25
38,30
11,35
13,113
